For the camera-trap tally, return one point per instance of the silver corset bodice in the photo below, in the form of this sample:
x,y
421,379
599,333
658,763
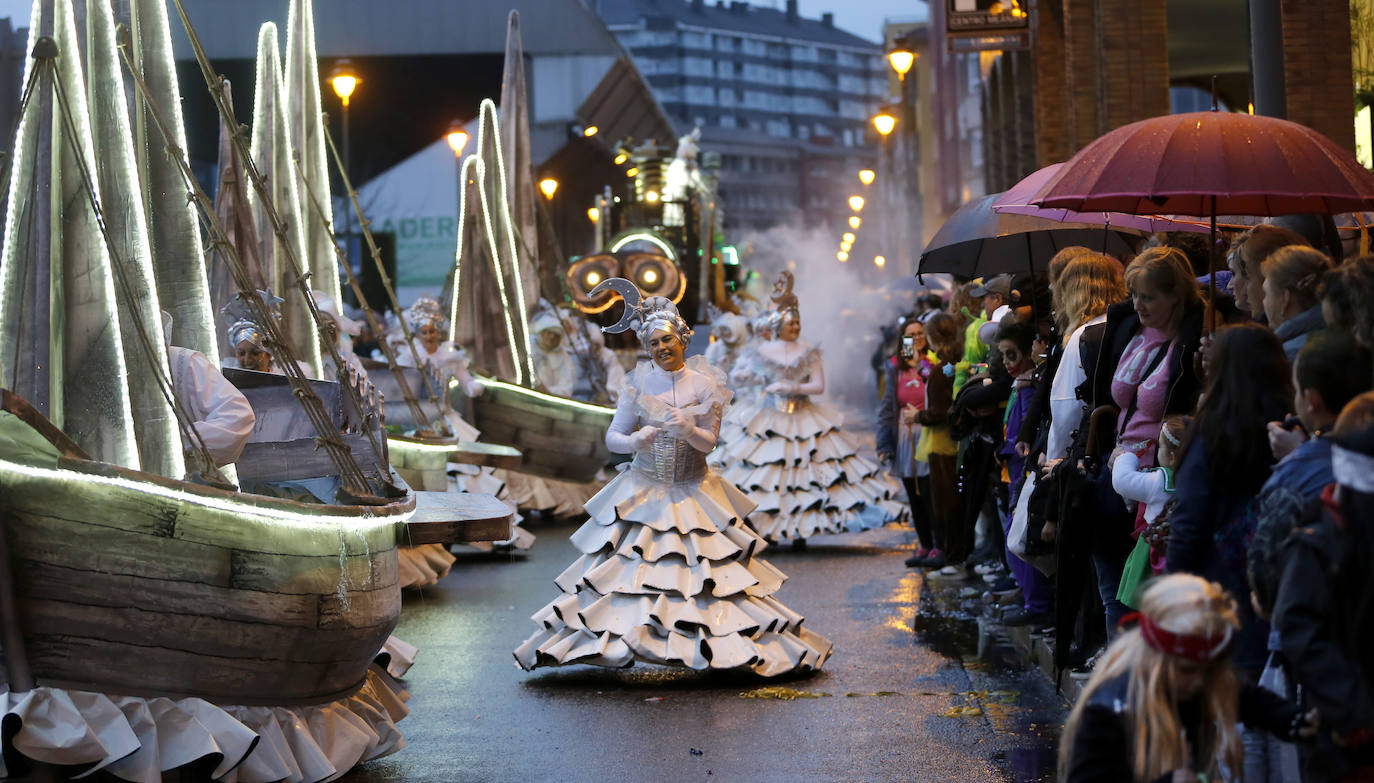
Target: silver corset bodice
x,y
671,460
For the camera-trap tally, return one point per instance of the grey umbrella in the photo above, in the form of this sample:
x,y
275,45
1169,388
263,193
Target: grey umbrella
x,y
976,241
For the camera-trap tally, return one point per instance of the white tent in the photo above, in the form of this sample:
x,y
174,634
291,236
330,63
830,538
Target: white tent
x,y
417,200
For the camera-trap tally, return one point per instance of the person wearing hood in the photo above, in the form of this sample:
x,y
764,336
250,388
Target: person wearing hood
x,y
554,364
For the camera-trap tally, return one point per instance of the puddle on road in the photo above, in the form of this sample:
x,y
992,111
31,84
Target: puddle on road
x,y
782,693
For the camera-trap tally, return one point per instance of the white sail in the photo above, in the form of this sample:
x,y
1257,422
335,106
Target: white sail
x,y
155,425
273,154
305,115
173,227
62,347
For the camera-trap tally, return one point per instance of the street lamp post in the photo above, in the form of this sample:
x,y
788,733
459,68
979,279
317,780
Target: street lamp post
x,y
345,80
884,122
457,141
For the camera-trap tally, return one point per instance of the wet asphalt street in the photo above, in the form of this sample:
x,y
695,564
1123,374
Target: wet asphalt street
x,y
906,696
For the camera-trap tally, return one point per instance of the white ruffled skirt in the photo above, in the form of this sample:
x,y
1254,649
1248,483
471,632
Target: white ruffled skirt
x,y
669,575
805,473
138,739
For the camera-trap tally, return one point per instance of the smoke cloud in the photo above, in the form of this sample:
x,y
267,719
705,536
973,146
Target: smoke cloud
x,y
843,306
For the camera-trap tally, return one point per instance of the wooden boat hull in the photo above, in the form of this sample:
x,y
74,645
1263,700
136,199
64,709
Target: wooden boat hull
x,y
133,584
558,438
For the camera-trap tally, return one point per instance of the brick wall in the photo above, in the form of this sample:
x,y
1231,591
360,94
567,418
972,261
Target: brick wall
x,y
1316,58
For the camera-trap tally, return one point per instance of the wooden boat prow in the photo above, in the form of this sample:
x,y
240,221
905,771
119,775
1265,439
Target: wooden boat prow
x,y
559,438
143,585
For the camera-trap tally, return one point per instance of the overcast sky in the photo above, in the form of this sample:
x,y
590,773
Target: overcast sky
x,y
861,17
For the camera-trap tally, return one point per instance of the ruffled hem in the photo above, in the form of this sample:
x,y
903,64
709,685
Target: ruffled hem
x,y
806,474
138,739
549,496
424,564
668,575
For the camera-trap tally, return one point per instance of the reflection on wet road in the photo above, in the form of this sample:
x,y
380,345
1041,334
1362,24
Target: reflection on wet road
x,y
908,696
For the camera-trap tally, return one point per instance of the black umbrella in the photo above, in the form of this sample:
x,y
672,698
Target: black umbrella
x,y
978,242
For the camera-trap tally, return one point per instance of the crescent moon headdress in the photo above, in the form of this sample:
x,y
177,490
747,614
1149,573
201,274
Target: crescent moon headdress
x,y
644,316
784,301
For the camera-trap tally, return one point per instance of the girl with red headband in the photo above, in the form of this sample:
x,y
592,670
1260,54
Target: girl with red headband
x,y
1163,704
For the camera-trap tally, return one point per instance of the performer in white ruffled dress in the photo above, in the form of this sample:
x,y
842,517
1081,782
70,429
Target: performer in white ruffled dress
x,y
745,382
806,474
428,563
669,572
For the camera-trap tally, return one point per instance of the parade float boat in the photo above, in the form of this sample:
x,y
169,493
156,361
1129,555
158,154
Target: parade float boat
x,y
152,622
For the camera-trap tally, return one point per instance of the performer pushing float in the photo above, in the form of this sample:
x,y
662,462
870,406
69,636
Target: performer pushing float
x,y
669,572
791,455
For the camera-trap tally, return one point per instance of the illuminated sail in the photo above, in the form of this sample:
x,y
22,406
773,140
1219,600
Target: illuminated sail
x,y
305,115
155,426
173,228
273,154
62,347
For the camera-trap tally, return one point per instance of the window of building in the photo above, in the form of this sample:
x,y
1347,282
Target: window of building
x,y
779,51
826,55
697,66
804,53
696,40
726,121
700,94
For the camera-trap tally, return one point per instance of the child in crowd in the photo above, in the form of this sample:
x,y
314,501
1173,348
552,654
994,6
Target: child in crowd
x,y
1163,704
1153,487
1014,341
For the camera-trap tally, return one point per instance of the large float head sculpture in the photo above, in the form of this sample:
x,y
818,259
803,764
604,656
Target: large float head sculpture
x,y
661,330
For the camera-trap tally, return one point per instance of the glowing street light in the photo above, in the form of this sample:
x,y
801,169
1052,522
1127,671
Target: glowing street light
x,y
848,237
344,80
901,61
593,277
548,186
842,256
593,214
866,177
855,222
879,261
457,139
590,131
632,172
856,203
651,196
884,123
845,246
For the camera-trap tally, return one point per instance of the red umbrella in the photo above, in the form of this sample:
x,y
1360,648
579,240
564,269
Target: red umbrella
x,y
1017,201
1209,163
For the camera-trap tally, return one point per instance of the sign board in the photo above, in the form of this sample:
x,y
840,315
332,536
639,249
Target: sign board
x,y
982,25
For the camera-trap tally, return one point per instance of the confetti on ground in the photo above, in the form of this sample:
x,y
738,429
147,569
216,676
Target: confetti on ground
x,y
962,712
782,693
654,698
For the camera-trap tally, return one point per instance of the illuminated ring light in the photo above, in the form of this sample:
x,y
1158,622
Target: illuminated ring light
x,y
584,274
643,242
655,274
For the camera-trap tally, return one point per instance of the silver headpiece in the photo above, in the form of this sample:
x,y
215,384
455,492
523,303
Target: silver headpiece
x,y
245,325
426,311
644,316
